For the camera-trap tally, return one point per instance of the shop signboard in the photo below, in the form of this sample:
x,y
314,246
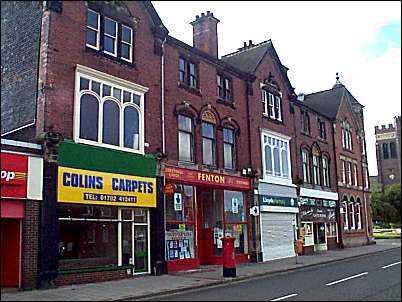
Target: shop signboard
x,y
101,188
207,178
317,202
14,175
268,200
312,213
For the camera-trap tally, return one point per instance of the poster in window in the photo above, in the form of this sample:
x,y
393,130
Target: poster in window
x,y
235,206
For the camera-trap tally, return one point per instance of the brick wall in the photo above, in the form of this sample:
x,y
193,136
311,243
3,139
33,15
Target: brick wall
x,y
30,241
79,278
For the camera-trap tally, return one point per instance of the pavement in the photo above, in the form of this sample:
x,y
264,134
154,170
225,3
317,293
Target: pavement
x,y
150,286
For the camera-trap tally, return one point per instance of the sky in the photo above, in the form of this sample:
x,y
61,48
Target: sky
x,y
359,40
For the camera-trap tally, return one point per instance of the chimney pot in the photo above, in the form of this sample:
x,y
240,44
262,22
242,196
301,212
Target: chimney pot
x,y
245,44
208,12
197,17
250,42
202,14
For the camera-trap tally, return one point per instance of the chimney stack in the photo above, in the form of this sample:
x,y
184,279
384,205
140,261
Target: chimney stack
x,y
205,34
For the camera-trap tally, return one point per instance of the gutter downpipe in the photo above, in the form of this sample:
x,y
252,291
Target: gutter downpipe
x,y
365,175
163,94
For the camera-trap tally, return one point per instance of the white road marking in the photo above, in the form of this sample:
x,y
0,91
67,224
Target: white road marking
x,y
389,265
348,278
284,297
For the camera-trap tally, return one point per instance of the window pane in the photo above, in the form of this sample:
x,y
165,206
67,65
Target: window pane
x,y
285,168
108,44
185,146
92,19
131,128
268,159
137,100
89,108
126,97
277,164
96,87
111,123
91,37
228,156
84,84
106,90
186,213
208,151
117,93
227,135
392,147
234,206
125,51
208,130
126,34
185,123
110,27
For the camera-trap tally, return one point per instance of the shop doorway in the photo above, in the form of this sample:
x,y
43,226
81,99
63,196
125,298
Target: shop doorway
x,y
320,240
10,252
204,222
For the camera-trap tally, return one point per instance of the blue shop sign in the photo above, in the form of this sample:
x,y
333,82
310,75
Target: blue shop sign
x,y
269,200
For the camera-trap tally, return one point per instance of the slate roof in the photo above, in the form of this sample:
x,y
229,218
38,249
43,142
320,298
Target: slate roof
x,y
248,59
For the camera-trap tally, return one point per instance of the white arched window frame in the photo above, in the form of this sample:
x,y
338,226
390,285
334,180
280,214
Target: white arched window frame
x,y
358,214
120,86
352,214
345,214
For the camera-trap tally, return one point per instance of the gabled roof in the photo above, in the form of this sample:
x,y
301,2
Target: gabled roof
x,y
249,58
328,101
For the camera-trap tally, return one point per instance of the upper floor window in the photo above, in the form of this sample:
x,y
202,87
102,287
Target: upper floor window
x,y
325,171
228,148
356,183
366,178
208,144
316,169
306,166
186,141
276,157
108,36
109,111
385,151
392,148
349,173
305,122
188,73
343,171
271,105
223,88
346,136
321,128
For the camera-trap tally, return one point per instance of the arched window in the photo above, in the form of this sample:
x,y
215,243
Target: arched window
x,y
268,159
285,168
325,171
89,117
316,167
306,166
345,213
111,118
352,213
277,162
358,213
131,127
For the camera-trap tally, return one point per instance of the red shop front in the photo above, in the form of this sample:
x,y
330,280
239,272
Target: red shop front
x,y
203,209
14,170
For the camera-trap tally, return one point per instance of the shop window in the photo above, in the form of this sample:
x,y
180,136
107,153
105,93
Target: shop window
x,y
345,213
235,219
186,138
229,148
180,225
113,118
331,229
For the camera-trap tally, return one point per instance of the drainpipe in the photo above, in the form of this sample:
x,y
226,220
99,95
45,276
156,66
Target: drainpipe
x,y
364,177
163,94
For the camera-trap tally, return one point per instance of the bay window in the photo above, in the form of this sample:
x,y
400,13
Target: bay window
x,y
113,118
276,156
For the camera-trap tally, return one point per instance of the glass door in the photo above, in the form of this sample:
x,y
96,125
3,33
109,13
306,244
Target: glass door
x,y
205,236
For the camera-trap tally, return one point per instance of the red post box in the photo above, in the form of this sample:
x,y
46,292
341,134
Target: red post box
x,y
229,260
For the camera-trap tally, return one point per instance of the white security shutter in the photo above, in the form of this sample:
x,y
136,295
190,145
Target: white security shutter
x,y
277,235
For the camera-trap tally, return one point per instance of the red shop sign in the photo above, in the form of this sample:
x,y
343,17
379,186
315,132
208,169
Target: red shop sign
x,y
14,173
207,178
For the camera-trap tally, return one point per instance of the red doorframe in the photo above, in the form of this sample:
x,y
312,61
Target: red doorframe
x,y
10,252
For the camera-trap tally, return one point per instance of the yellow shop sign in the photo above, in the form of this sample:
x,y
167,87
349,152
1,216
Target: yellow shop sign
x,y
100,188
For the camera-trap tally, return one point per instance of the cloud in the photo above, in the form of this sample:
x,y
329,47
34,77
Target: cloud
x,y
388,36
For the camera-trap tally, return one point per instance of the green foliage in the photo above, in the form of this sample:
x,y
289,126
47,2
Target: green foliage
x,y
387,206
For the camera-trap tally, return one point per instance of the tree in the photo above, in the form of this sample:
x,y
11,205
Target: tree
x,y
387,206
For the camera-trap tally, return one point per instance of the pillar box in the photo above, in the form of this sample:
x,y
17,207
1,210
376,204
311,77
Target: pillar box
x,y
229,260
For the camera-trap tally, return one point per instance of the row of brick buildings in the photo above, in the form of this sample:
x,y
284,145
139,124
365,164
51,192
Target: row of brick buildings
x,y
153,150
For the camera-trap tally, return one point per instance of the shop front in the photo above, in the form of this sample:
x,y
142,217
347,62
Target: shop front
x,y
278,226
202,209
21,184
318,224
104,216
